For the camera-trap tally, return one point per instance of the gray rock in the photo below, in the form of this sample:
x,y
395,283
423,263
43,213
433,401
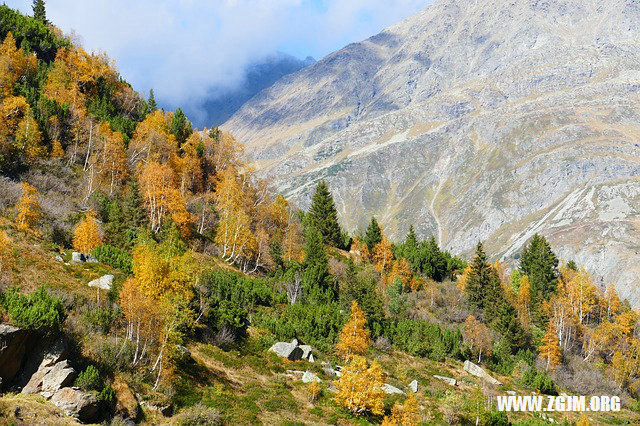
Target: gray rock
x,y
59,376
311,358
287,350
105,282
391,390
306,351
77,257
448,380
493,120
14,342
309,377
477,371
295,342
413,386
44,355
59,258
90,259
76,403
332,388
510,392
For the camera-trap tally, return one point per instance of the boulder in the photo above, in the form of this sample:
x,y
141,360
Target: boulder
x,y
390,390
90,259
59,258
306,351
477,371
311,358
295,342
13,347
413,386
60,375
309,377
105,282
76,403
448,380
287,350
77,257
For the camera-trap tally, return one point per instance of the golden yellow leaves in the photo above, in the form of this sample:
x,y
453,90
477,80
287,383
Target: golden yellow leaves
x,y
6,252
360,387
86,236
477,336
407,414
14,64
549,349
354,337
29,210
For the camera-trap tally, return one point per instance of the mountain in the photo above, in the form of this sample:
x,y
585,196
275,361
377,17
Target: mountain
x,y
260,75
474,121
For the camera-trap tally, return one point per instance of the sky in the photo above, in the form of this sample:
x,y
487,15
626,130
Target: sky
x,y
189,50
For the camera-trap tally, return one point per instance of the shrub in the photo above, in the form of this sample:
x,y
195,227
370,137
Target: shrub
x,y
37,311
539,380
423,339
200,415
89,379
114,257
107,395
316,325
238,289
101,318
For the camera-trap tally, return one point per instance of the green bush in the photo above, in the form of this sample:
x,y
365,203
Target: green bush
x,y
539,380
114,257
316,325
423,339
37,311
107,395
101,318
200,415
238,289
89,379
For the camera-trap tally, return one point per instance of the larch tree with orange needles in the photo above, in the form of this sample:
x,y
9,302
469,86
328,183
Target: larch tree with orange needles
x,y
29,210
477,336
407,414
86,235
549,349
360,387
383,255
354,338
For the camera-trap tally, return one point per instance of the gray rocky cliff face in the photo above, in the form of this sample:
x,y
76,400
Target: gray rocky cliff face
x,y
474,121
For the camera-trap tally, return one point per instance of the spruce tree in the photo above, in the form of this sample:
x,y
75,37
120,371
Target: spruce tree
x,y
373,235
39,11
540,263
323,215
479,279
151,102
180,127
316,276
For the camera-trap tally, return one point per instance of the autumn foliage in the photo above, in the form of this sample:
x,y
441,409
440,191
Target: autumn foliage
x,y
360,387
86,235
354,337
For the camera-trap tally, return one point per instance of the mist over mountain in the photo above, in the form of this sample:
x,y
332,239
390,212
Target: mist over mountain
x,y
222,104
473,121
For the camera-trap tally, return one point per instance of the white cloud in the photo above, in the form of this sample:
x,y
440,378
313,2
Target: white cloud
x,y
185,48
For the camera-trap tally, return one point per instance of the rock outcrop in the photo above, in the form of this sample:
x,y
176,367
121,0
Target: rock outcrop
x,y
474,121
477,371
13,347
76,403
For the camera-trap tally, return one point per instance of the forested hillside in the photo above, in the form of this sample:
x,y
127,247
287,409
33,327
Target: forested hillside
x,y
147,275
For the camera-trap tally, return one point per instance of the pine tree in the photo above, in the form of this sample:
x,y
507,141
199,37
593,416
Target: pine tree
x,y
39,11
550,347
373,235
151,102
324,216
354,337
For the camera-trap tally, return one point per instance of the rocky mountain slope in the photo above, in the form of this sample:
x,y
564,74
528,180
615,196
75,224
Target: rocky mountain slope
x,y
474,121
259,76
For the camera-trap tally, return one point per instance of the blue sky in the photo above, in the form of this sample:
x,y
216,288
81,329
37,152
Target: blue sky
x,y
190,49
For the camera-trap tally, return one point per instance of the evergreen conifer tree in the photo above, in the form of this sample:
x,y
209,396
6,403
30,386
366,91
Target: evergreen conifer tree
x,y
540,264
180,126
373,235
323,215
39,11
316,269
479,279
151,102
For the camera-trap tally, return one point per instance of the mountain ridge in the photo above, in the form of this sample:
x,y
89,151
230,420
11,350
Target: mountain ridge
x,y
473,122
